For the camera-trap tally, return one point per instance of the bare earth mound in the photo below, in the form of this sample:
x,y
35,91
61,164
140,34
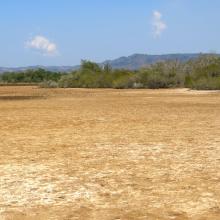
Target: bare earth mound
x,y
109,154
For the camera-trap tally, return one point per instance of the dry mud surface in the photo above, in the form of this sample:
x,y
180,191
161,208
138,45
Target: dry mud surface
x,y
68,154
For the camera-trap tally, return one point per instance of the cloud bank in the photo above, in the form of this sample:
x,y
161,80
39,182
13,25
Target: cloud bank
x,y
158,24
42,44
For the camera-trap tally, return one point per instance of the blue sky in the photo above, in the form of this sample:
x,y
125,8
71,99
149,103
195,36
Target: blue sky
x,y
62,32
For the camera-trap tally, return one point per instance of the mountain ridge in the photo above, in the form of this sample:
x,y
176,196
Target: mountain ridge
x,y
131,62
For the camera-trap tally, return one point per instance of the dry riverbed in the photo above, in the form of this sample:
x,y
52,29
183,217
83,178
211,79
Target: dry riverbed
x,y
103,154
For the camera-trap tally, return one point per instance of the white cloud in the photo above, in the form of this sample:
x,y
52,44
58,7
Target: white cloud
x,y
158,24
43,45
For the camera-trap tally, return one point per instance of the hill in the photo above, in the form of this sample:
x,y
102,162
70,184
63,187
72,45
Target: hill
x,y
132,62
137,61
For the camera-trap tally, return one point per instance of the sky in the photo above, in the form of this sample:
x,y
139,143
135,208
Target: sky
x,y
63,32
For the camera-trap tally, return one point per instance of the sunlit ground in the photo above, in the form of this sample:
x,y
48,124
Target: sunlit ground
x,y
109,154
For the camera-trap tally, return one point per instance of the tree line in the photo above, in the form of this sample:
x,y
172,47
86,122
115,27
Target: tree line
x,y
200,73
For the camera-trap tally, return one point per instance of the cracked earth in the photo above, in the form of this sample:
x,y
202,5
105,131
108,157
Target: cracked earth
x,y
103,154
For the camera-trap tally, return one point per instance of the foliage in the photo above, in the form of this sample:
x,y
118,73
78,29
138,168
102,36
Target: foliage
x,y
30,76
49,84
200,73
203,73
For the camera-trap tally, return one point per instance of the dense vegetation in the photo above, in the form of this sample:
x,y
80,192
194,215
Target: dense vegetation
x,y
200,73
30,76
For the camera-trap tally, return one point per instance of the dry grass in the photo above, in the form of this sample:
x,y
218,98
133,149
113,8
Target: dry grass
x,y
109,154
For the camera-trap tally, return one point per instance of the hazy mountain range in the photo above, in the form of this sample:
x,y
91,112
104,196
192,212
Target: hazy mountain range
x,y
132,62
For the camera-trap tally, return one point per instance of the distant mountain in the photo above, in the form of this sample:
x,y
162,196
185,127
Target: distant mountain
x,y
137,61
132,62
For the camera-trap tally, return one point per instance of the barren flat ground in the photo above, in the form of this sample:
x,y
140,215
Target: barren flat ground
x,y
102,154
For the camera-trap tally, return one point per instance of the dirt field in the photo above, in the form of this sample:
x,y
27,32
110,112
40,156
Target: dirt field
x,y
109,154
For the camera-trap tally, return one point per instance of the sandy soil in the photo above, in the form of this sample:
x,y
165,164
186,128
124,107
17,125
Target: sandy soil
x,y
109,154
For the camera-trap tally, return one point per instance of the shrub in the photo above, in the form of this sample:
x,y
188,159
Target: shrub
x,y
200,73
49,84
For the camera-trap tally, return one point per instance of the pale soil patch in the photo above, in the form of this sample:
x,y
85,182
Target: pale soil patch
x,y
109,154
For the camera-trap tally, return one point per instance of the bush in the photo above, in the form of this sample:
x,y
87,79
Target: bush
x,y
206,84
200,73
49,84
156,81
70,80
30,76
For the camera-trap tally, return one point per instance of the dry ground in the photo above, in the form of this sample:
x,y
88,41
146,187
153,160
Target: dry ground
x,y
109,154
